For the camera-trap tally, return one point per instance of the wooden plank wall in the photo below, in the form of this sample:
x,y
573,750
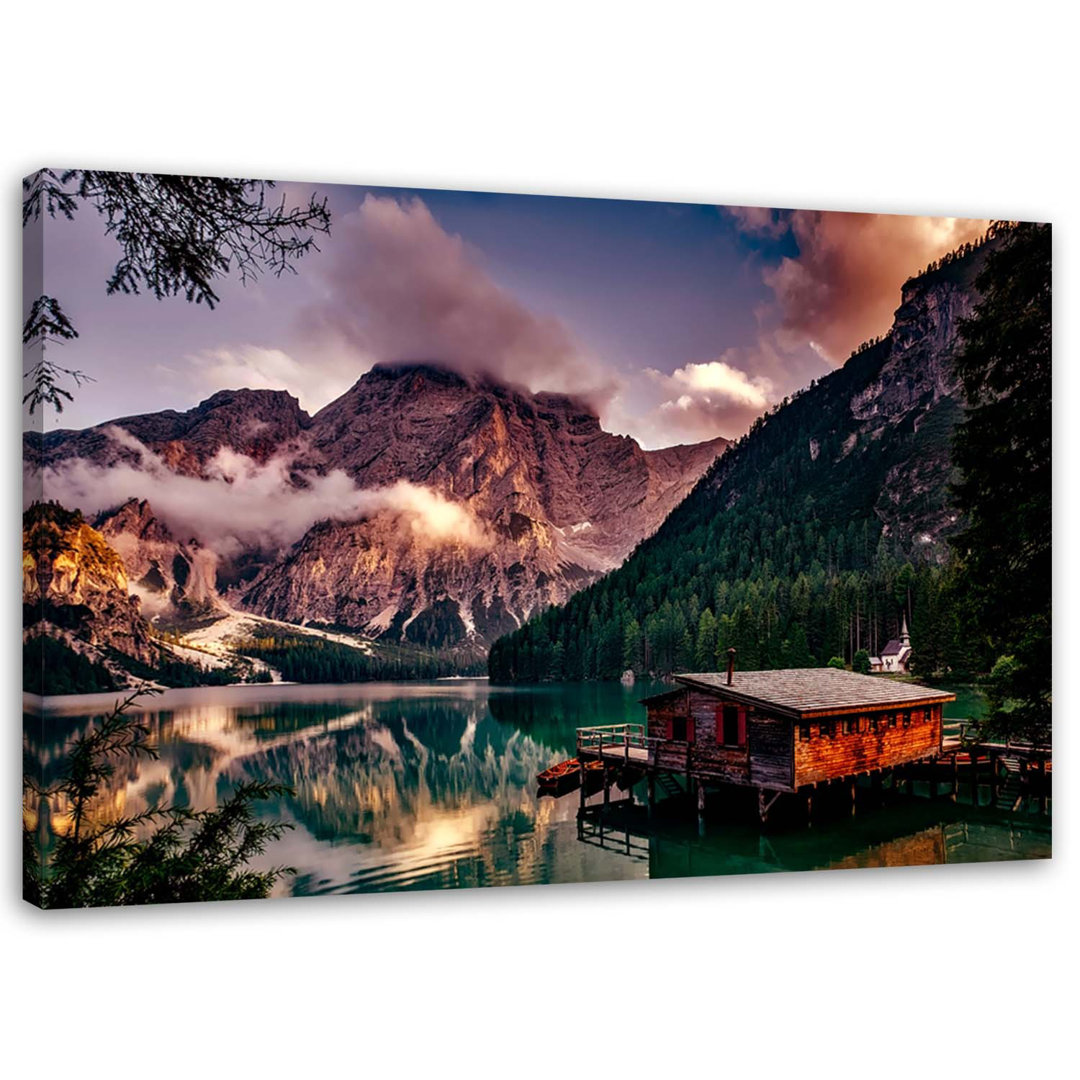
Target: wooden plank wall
x,y
831,757
765,758
660,713
710,757
775,754
771,753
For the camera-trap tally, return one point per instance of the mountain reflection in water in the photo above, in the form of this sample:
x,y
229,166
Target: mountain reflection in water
x,y
433,786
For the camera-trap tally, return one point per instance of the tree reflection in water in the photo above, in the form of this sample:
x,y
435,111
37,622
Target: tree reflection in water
x,y
411,786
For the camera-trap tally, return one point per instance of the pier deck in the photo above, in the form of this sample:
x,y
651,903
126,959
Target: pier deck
x,y
1014,769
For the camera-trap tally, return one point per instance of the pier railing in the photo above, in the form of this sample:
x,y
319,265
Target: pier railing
x,y
970,732
607,737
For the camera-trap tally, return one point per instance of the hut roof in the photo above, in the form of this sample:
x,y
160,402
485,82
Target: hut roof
x,y
805,692
664,695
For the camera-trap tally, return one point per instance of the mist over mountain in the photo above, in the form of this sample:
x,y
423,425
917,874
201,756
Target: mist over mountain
x,y
422,506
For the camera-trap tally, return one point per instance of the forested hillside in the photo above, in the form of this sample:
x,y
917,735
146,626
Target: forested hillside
x,y
811,536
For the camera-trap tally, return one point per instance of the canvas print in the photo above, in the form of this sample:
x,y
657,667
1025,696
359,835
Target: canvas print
x,y
386,539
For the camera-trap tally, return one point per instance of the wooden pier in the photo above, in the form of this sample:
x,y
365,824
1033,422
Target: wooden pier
x,y
625,754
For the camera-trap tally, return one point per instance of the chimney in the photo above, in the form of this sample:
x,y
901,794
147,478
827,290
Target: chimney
x,y
730,666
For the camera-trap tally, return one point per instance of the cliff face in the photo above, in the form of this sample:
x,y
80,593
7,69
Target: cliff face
x,y
556,500
167,576
916,390
464,504
880,428
75,583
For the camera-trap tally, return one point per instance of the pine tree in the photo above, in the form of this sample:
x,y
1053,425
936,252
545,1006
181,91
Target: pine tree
x,y
1003,451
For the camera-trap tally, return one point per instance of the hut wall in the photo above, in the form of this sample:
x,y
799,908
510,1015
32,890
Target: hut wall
x,y
709,756
661,713
671,753
771,753
775,753
876,740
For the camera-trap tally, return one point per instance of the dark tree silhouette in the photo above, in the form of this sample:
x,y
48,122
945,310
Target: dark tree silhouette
x,y
177,234
162,855
47,325
1003,451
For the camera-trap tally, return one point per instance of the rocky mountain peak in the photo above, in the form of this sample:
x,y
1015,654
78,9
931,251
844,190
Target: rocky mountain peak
x,y
256,423
75,583
474,503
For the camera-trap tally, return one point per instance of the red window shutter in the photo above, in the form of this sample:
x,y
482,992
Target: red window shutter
x,y
719,725
669,728
690,729
742,727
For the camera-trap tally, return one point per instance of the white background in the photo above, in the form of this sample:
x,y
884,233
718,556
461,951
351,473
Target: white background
x,y
930,108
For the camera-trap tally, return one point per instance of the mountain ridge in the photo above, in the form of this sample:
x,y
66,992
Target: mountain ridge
x,y
475,502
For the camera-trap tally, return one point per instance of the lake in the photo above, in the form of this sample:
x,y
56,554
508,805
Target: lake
x,y
432,786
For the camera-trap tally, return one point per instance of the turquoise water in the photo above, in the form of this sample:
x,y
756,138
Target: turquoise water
x,y
409,786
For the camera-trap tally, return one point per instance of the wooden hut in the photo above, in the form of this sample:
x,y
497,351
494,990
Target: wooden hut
x,y
782,731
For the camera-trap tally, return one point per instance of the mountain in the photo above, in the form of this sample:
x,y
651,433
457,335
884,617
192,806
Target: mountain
x,y
807,539
435,510
165,575
75,596
555,500
256,423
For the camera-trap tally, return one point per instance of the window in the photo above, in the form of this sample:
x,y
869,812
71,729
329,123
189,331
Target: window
x,y
678,728
730,734
892,719
907,719
804,733
851,725
827,729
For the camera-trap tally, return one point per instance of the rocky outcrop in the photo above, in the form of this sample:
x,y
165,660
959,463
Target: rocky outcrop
x,y
75,584
255,423
917,391
882,425
168,577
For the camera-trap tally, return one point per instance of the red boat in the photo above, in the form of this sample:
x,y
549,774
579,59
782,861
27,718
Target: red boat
x,y
567,774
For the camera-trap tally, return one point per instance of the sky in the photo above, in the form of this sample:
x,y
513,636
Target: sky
x,y
676,322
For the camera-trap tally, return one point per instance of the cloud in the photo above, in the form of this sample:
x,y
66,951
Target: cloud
x,y
258,368
723,383
844,284
399,287
760,220
694,402
240,504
